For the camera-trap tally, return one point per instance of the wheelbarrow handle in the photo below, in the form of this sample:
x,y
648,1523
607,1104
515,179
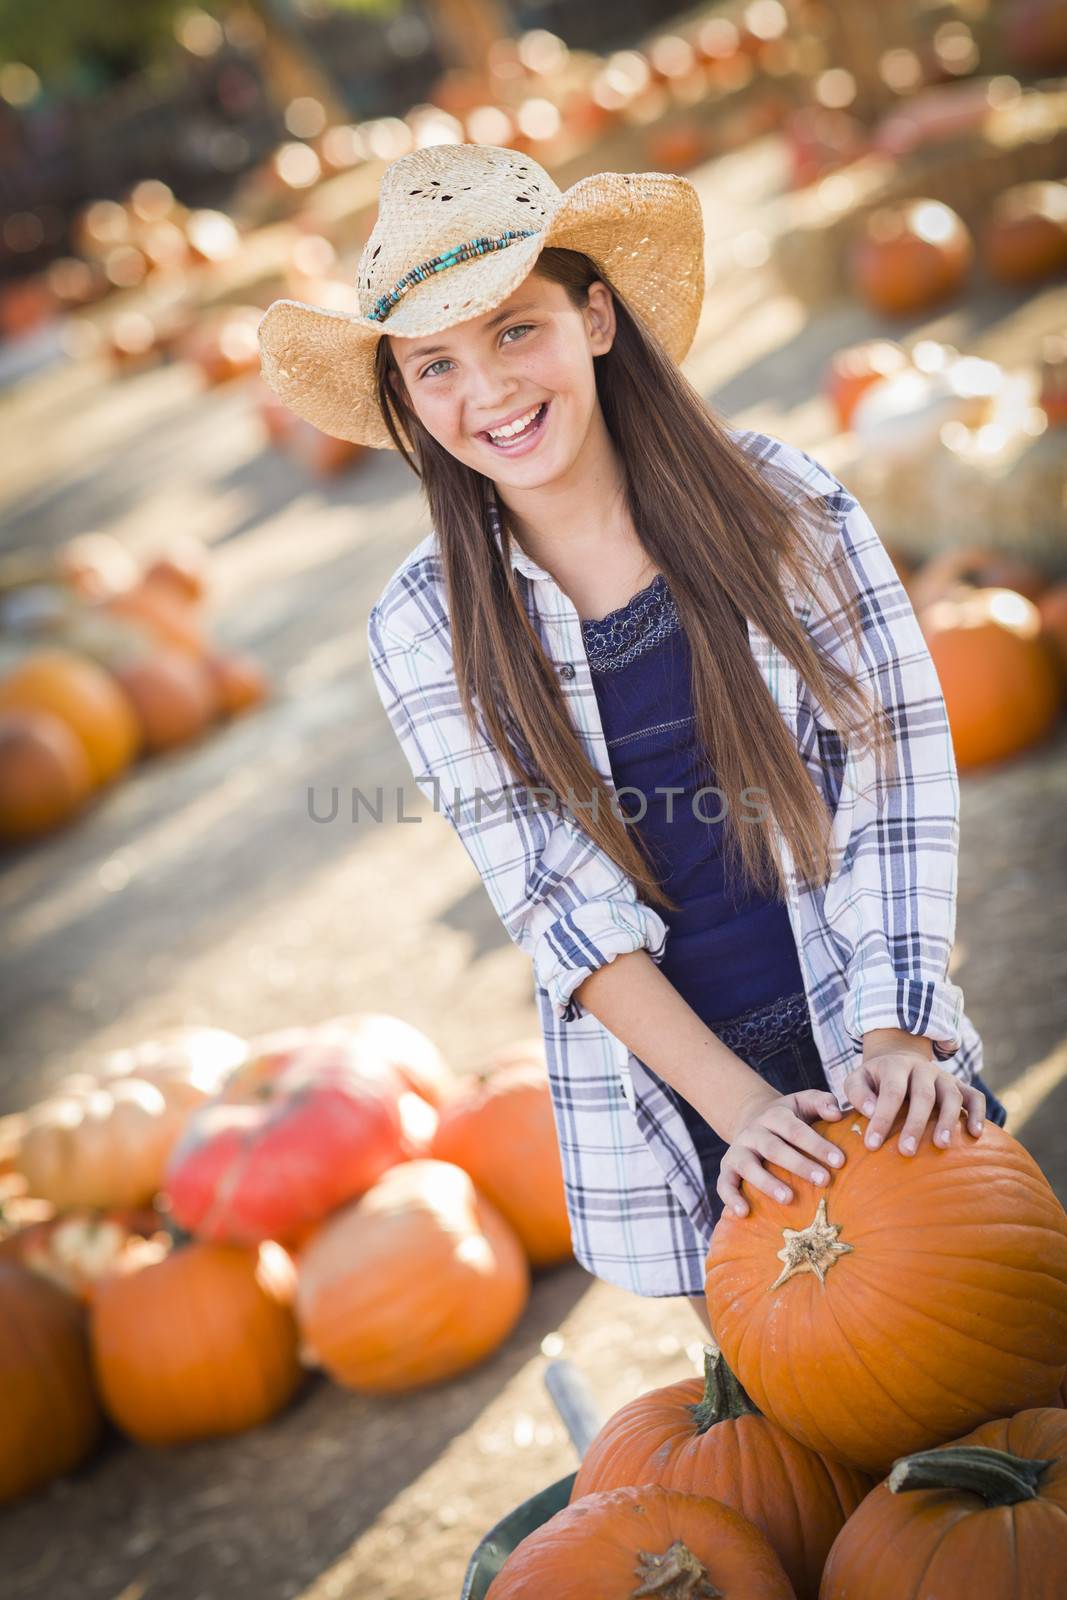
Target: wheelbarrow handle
x,y
574,1401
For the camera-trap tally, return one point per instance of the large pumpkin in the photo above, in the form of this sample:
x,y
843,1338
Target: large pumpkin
x,y
83,695
913,1299
198,1344
417,1281
92,1144
704,1436
999,677
501,1130
619,1544
986,1514
303,1125
51,1416
911,254
411,1054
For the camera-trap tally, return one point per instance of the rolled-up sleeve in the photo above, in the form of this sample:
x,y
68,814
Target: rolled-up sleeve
x,y
891,902
559,896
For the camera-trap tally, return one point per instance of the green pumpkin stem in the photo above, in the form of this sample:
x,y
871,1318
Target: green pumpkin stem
x,y
999,1477
723,1398
676,1575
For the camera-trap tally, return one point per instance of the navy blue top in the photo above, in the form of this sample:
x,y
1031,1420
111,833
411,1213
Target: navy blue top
x,y
727,950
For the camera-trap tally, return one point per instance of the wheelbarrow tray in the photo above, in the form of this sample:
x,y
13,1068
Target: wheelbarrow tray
x,y
509,1532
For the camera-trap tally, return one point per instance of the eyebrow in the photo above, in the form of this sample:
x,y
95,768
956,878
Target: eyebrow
x,y
436,349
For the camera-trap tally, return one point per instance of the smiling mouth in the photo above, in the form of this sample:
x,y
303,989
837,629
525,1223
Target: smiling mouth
x,y
519,438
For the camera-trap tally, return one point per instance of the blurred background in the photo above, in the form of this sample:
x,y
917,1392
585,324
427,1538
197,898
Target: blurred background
x,y
214,958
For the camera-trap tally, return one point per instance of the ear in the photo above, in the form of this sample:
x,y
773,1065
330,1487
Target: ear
x,y
600,317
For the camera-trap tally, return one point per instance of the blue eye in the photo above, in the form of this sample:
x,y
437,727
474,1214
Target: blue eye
x,y
516,327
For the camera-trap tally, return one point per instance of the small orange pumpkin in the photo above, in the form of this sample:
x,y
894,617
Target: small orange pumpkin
x,y
239,680
855,369
621,1543
45,777
418,1280
83,695
997,673
1025,238
173,694
910,255
51,1414
197,1345
850,1312
992,1505
501,1129
704,1436
978,567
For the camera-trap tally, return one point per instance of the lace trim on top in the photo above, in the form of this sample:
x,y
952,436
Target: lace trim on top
x,y
646,619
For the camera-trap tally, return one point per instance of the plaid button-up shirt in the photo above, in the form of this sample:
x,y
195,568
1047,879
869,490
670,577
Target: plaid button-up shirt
x,y
873,943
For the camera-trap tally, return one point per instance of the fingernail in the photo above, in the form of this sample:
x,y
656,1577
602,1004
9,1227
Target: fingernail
x,y
868,1109
835,1159
908,1145
943,1136
978,1127
873,1141
818,1177
782,1194
740,1210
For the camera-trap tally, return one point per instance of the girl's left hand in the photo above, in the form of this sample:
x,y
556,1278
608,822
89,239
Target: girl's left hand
x,y
885,1080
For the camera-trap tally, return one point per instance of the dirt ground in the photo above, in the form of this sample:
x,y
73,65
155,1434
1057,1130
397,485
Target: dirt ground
x,y
202,890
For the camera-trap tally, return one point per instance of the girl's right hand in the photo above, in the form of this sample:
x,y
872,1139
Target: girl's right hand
x,y
779,1130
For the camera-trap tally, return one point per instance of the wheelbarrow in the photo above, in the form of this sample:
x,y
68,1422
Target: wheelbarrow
x,y
574,1402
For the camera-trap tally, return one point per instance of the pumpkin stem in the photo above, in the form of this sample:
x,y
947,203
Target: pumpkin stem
x,y
811,1249
178,1235
999,1477
723,1398
676,1575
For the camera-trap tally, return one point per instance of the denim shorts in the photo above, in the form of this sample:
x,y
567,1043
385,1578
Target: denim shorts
x,y
777,1042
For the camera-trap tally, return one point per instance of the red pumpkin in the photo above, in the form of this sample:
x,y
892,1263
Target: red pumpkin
x,y
1025,238
911,255
704,1436
989,1510
50,1410
914,1298
173,694
302,1126
621,1543
197,1343
502,1130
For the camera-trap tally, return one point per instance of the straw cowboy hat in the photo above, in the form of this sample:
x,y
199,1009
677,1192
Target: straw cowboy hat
x,y
458,228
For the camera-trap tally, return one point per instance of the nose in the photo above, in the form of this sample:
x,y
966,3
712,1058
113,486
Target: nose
x,y
489,391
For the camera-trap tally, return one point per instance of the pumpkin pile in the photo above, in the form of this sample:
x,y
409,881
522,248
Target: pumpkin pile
x,y
102,661
883,1412
325,1196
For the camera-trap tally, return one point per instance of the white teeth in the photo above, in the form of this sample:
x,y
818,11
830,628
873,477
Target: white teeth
x,y
512,428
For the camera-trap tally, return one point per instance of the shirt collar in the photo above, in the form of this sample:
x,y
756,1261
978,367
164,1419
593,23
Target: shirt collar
x,y
519,559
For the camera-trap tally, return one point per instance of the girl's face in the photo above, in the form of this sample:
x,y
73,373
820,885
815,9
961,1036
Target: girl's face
x,y
532,354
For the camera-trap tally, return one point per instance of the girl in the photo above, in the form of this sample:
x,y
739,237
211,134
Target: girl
x,y
622,597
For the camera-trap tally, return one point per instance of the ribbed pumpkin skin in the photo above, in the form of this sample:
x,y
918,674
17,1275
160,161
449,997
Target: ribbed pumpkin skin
x,y
927,1542
589,1550
199,1345
51,1416
502,1131
949,1310
415,1282
798,1499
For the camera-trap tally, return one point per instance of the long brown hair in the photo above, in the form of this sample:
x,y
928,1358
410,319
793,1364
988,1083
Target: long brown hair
x,y
717,527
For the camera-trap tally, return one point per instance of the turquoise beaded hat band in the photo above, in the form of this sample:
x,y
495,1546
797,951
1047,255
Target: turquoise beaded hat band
x,y
458,229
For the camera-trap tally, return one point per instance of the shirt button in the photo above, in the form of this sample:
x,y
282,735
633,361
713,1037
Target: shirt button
x,y
567,670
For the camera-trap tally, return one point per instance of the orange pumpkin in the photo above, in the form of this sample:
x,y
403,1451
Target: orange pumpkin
x,y
199,1344
84,696
411,1054
170,620
912,1299
855,369
989,1510
1025,238
502,1130
173,694
998,675
1052,609
51,1414
186,1064
239,681
418,1280
621,1543
704,1436
91,1145
910,255
183,569
45,777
